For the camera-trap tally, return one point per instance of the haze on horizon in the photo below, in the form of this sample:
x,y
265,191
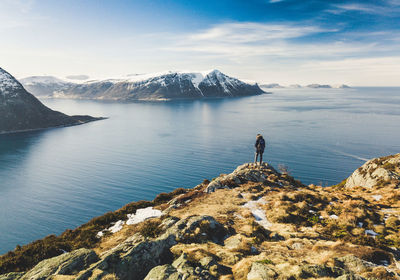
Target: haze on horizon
x,y
268,41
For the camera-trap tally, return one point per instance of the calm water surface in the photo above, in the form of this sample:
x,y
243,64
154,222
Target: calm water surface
x,y
60,178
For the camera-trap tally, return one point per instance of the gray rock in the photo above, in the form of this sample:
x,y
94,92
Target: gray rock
x,y
260,271
163,272
350,277
321,271
353,264
65,264
373,172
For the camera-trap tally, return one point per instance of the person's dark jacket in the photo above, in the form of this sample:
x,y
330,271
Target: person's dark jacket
x,y
260,145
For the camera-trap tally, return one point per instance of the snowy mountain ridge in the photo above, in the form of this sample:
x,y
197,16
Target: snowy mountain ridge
x,y
155,86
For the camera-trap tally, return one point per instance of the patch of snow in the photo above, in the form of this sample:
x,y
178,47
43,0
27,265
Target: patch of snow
x,y
258,212
8,84
335,217
311,211
360,224
116,227
371,232
238,216
377,197
142,215
385,262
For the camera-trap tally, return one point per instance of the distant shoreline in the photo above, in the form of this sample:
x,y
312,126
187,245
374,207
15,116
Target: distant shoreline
x,y
50,127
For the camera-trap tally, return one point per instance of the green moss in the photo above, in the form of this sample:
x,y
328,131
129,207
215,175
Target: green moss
x,y
340,185
265,261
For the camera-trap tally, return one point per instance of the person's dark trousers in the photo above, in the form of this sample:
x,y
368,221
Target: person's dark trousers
x,y
256,157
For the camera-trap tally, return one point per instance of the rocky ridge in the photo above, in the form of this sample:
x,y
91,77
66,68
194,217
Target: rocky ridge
x,y
254,223
21,111
150,87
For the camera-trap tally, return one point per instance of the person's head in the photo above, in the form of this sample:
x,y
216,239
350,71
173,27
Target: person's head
x,y
259,136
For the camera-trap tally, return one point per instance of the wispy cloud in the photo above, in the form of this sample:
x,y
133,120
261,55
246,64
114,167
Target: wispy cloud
x,y
387,8
249,32
238,40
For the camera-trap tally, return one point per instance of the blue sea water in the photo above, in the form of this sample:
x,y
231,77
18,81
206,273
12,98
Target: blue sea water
x,y
56,179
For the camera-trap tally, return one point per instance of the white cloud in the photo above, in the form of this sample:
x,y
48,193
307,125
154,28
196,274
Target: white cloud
x,y
388,9
248,32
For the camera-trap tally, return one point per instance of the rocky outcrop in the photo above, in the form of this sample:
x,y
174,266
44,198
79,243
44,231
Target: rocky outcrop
x,y
21,111
376,172
260,271
65,264
247,172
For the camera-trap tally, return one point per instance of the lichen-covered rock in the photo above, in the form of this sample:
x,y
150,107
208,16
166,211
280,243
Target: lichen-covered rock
x,y
134,258
260,271
353,264
375,172
247,172
163,272
197,229
65,264
321,271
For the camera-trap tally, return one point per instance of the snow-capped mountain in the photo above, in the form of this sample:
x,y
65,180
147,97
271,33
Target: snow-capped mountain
x,y
159,86
20,110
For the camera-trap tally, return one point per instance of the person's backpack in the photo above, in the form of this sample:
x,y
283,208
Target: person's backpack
x,y
261,144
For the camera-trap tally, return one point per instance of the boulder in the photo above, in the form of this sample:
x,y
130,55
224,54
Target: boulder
x,y
163,272
260,271
353,264
374,172
321,271
65,264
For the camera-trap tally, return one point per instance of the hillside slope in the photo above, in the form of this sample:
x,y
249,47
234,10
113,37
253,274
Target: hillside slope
x,y
254,223
20,110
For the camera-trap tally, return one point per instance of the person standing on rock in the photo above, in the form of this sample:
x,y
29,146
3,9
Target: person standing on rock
x,y
260,146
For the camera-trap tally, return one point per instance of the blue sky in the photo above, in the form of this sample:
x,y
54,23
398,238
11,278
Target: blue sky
x,y
286,41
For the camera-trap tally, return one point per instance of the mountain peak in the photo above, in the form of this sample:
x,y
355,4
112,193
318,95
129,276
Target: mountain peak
x,y
8,84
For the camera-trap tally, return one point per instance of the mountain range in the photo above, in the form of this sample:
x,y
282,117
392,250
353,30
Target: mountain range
x,y
151,87
21,111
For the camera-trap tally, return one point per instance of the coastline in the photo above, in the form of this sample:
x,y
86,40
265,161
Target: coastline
x,y
59,126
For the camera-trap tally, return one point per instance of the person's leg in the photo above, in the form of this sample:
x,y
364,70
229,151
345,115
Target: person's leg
x,y
255,157
261,156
